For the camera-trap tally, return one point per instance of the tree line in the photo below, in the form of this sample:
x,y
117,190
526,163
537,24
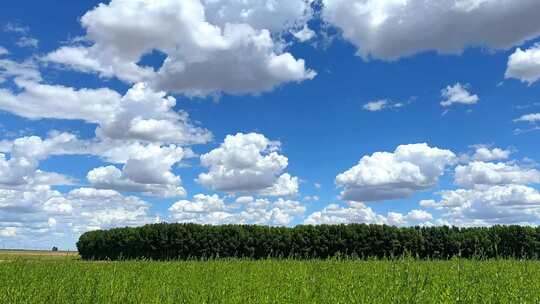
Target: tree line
x,y
192,241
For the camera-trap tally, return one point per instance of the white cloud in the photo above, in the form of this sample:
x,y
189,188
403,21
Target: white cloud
x,y
508,204
42,216
459,94
211,209
356,212
311,198
25,153
275,15
482,173
375,106
12,27
390,29
304,34
147,170
385,175
483,153
213,49
335,214
379,105
524,64
248,163
12,69
532,118
8,232
201,203
3,51
28,42
141,114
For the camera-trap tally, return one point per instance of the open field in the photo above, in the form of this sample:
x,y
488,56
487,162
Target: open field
x,y
38,253
69,280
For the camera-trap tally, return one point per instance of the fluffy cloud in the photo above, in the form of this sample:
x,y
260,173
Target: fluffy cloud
x,y
379,105
356,212
275,15
218,46
483,153
335,214
385,175
507,204
248,163
459,94
41,216
147,169
25,153
141,114
211,209
524,64
3,51
13,69
483,173
390,29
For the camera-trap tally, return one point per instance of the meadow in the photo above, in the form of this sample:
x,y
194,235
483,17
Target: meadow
x,y
67,279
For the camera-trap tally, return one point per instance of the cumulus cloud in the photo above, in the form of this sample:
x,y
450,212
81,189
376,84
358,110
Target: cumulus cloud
x,y
211,209
484,173
501,204
391,29
335,214
483,153
19,159
41,216
248,163
141,114
3,51
218,46
356,212
457,94
385,175
147,170
524,64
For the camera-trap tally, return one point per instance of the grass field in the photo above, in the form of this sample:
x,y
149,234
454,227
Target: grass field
x,y
65,279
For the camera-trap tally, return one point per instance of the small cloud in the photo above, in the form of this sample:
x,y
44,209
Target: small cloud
x,y
524,65
11,27
28,42
3,51
311,198
382,104
317,185
457,93
531,118
304,34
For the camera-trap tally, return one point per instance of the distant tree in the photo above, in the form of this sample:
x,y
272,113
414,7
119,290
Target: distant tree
x,y
55,249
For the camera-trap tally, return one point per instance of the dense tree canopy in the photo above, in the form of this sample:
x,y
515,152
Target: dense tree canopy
x,y
192,241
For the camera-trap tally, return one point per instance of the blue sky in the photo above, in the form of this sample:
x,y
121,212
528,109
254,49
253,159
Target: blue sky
x,y
346,126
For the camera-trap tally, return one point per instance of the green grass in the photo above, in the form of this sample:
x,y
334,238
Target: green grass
x,y
68,280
